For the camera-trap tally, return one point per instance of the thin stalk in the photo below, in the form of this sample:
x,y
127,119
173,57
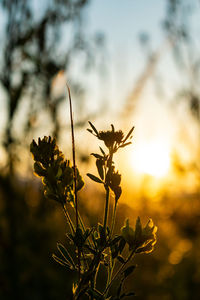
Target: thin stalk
x,y
75,177
110,276
119,271
71,225
106,208
107,191
92,287
81,223
113,218
95,276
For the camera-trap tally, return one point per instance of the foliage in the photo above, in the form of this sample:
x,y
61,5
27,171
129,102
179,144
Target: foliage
x,y
98,245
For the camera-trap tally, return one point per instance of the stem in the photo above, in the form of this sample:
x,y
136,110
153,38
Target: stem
x,y
106,208
75,177
82,224
119,271
74,156
86,278
107,190
113,218
109,277
68,219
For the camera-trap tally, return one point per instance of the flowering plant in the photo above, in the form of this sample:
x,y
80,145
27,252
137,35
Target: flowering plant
x,y
99,245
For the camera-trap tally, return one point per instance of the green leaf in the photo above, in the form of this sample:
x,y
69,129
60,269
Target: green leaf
x,y
96,155
90,130
96,179
93,128
99,164
96,294
121,259
102,151
128,271
115,240
119,289
128,134
122,244
90,249
102,233
114,251
65,254
61,261
127,295
124,145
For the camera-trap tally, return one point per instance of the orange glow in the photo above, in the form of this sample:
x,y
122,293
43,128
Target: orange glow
x,y
152,158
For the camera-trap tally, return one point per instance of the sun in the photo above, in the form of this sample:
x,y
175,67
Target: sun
x,y
152,158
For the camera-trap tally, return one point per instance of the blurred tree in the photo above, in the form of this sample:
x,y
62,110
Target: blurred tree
x,y
180,25
39,39
179,37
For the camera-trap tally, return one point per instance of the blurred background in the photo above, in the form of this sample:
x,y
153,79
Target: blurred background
x,y
127,63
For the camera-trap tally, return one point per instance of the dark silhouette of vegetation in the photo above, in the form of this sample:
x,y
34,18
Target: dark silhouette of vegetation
x,y
98,245
40,39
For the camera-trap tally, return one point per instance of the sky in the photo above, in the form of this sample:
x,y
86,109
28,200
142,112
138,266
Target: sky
x,y
121,22
124,59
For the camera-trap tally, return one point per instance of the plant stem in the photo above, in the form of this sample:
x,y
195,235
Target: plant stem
x,y
106,208
75,177
74,156
113,219
119,271
71,225
111,268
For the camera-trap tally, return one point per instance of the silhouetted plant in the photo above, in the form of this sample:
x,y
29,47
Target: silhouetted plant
x,y
98,245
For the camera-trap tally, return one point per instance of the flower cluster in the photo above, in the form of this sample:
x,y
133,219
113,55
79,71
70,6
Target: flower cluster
x,y
142,240
56,173
99,245
114,180
111,138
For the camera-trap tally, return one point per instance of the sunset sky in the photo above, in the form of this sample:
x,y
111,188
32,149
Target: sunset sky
x,y
158,120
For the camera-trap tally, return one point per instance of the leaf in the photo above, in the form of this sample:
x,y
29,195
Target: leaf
x,y
119,289
102,233
99,164
93,128
90,130
61,261
127,295
122,244
129,134
114,251
115,240
102,151
90,249
121,259
95,293
128,271
124,145
96,155
96,179
65,254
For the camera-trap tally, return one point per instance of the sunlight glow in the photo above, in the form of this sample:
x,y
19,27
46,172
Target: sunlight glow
x,y
152,158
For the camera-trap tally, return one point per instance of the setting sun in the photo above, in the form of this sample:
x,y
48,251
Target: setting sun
x,y
152,158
